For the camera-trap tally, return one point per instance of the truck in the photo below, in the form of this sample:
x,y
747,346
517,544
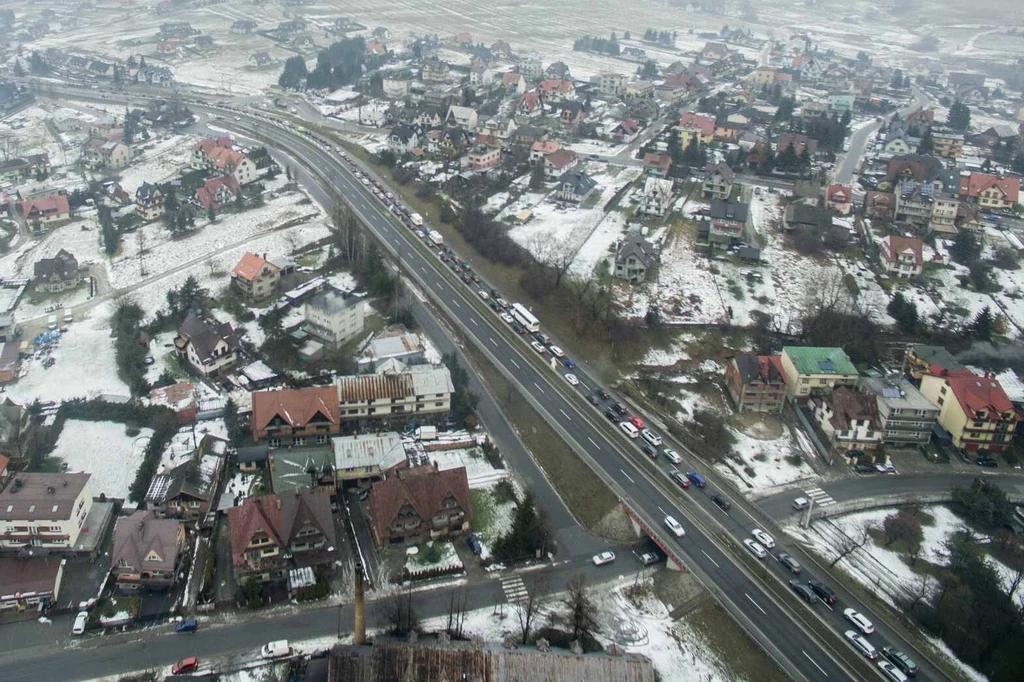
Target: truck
x,y
416,219
435,237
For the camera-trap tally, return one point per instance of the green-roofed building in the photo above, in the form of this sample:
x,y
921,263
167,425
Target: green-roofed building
x,y
813,370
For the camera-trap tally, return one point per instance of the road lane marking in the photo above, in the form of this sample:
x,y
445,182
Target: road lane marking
x,y
473,320
627,477
710,559
813,663
659,508
584,386
592,442
763,612
515,363
491,339
423,270
563,413
537,385
457,304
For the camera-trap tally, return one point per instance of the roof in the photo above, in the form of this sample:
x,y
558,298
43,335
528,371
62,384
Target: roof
x,y
61,267
177,397
333,302
37,496
722,209
545,146
636,246
937,356
895,245
896,393
295,406
423,489
848,406
660,188
208,144
427,380
761,369
560,158
837,192
361,389
578,181
143,540
57,203
976,393
819,360
204,336
977,183
722,169
655,160
922,168
196,477
382,451
394,346
27,576
799,142
704,122
280,517
253,453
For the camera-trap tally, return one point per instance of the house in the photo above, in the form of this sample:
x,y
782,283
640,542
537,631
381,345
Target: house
x,y
541,148
923,359
813,370
365,457
612,84
513,83
718,181
530,105
210,349
902,256
99,152
757,383
557,91
433,70
295,417
696,126
10,361
499,128
187,491
993,136
974,410
454,141
29,585
180,398
482,156
461,117
947,143
45,210
419,504
839,198
57,274
764,75
272,534
841,102
557,71
219,154
255,277
217,192
44,511
657,196
149,201
799,142
906,417
575,187
625,130
394,343
849,419
402,139
558,162
571,114
429,118
920,168
879,205
728,220
657,165
148,552
990,191
634,257
244,26
418,392
252,458
528,134
480,75
333,318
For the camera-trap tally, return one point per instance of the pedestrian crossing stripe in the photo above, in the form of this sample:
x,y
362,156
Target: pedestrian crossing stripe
x,y
820,497
514,589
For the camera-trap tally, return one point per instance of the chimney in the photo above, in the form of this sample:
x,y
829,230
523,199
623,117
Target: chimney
x,y
359,624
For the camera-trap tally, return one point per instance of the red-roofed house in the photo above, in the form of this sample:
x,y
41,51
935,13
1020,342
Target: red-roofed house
x,y
217,192
218,153
556,91
421,502
202,149
559,162
990,191
975,410
255,277
626,130
529,104
701,126
45,210
541,148
839,198
656,164
299,416
902,256
513,83
879,205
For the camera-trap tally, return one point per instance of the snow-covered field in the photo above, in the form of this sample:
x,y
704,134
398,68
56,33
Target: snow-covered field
x,y
104,450
758,465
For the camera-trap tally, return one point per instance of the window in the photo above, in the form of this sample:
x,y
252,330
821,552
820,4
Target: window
x,y
322,439
274,442
299,440
438,404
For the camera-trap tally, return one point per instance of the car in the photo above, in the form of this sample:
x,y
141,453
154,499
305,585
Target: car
x,y
148,360
650,451
900,660
539,348
571,378
483,295
636,421
466,279
801,503
651,437
610,413
570,363
648,558
805,593
859,621
502,303
672,456
603,393
604,558
862,645
755,548
891,672
444,258
987,462
506,318
187,625
823,591
556,351
543,338
679,478
518,328
696,479
81,620
629,429
765,540
885,468
864,469
674,526
592,399
621,409
722,501
789,562
185,665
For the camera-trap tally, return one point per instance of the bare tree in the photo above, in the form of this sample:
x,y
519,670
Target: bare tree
x,y
529,607
849,544
582,610
349,230
10,147
456,612
400,613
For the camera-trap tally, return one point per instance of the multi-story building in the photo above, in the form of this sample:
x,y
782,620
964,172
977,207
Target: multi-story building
x,y
757,383
634,256
147,552
815,370
947,143
334,318
368,456
718,181
420,503
255,277
849,419
299,416
187,490
57,274
421,391
923,359
210,349
906,417
974,410
44,511
990,191
902,256
611,84
481,156
149,201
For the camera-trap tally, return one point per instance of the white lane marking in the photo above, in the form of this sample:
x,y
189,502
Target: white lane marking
x,y
763,612
659,508
710,559
423,270
514,363
538,386
457,304
627,477
813,663
563,413
493,341
584,386
592,442
473,320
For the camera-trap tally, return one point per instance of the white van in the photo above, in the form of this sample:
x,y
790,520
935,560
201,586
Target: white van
x,y
630,430
651,437
276,649
80,621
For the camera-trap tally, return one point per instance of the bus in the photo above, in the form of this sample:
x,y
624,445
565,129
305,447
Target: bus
x,y
524,317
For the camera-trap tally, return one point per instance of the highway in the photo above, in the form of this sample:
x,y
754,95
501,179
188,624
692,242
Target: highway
x,y
802,639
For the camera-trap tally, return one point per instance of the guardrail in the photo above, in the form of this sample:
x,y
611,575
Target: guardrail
x,y
891,501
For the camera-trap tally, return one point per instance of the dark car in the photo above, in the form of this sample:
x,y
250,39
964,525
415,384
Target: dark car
x,y
493,304
823,591
187,625
474,543
900,660
466,278
987,462
621,409
610,413
651,451
592,399
721,500
495,294
864,469
789,562
804,592
518,328
603,393
679,478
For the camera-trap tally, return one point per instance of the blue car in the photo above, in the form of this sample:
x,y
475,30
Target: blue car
x,y
569,363
188,625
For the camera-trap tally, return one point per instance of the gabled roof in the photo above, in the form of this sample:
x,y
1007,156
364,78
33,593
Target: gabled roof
x,y
421,488
144,541
636,246
578,181
762,369
735,211
722,169
655,160
61,267
837,192
250,266
704,122
295,406
848,406
196,477
977,183
545,147
628,126
279,517
810,360
936,357
560,158
204,336
56,204
976,393
895,245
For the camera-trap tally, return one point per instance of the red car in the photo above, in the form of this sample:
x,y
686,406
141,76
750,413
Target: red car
x,y
636,421
185,665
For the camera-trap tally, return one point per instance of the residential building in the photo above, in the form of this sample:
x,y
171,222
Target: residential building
x,y
210,349
990,191
420,392
556,91
718,181
513,83
879,205
403,138
149,201
575,186
799,142
727,222
657,165
57,274
434,70
420,503
570,115
29,584
974,410
914,202
764,75
392,344
295,417
541,148
44,211
334,318
906,417
255,277
657,196
270,535
815,370
902,256
559,162
100,152
634,257
696,126
947,143
839,198
368,456
187,490
461,117
757,383
252,458
180,398
841,102
148,552
625,131
219,154
217,192
945,208
44,511
481,157
849,419
612,84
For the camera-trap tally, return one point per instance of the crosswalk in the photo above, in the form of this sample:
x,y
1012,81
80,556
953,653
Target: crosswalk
x,y
820,497
514,589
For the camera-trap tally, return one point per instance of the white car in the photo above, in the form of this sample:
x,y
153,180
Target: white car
x,y
801,503
763,538
651,437
604,558
556,351
507,319
674,526
885,468
672,456
863,645
892,672
858,619
81,620
571,378
538,346
755,549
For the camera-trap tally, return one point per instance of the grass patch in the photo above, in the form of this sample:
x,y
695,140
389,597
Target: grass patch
x,y
483,511
735,649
